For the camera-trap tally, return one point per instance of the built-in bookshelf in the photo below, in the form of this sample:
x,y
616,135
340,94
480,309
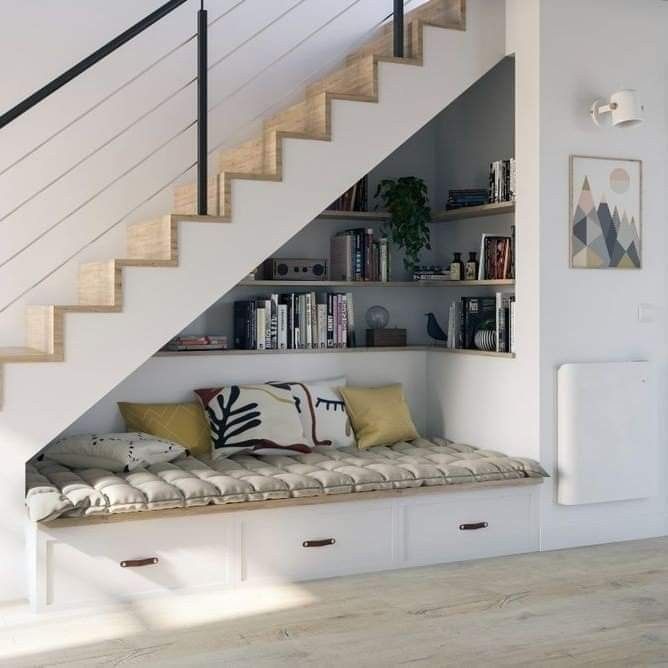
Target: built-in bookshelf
x,y
355,215
325,351
483,211
436,283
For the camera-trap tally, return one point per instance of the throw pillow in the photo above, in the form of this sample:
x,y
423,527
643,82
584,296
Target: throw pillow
x,y
182,423
259,419
322,411
112,452
379,415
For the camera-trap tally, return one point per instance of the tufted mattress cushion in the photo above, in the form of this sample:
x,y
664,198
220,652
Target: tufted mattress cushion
x,y
53,490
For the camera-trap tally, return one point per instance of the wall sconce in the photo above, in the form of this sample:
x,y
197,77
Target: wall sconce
x,y
623,110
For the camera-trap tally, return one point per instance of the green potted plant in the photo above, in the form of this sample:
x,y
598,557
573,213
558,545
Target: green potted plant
x,y
406,200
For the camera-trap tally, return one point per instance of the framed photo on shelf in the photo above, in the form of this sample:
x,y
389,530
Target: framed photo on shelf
x,y
605,213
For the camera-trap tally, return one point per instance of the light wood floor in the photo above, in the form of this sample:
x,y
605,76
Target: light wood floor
x,y
604,606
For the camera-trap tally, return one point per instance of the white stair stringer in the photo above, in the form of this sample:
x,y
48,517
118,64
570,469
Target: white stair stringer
x,y
42,399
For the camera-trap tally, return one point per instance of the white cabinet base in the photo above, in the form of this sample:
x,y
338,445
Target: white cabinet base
x,y
77,566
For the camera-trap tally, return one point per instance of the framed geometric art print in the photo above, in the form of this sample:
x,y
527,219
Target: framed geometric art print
x,y
605,213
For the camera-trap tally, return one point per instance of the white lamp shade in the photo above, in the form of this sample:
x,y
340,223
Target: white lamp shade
x,y
623,110
626,109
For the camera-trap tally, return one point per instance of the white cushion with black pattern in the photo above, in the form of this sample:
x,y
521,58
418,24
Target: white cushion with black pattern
x,y
258,419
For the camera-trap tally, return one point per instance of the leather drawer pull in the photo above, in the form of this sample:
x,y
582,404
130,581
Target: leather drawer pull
x,y
319,543
474,526
137,563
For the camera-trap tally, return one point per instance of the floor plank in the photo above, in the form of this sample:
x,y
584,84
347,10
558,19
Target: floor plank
x,y
597,606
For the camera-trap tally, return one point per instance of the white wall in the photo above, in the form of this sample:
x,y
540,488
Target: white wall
x,y
170,379
589,49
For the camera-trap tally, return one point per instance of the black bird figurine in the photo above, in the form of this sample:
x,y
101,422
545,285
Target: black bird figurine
x,y
434,329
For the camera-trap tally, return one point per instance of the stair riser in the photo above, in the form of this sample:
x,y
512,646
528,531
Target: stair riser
x,y
358,78
247,158
153,240
100,284
44,330
185,197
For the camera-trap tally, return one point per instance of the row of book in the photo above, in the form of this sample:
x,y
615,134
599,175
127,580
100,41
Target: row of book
x,y
502,181
356,198
463,197
295,320
496,257
356,255
470,315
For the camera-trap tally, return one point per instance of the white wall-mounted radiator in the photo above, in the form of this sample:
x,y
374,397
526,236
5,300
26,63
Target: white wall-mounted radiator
x,y
606,432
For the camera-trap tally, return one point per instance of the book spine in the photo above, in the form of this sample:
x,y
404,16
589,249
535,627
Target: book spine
x,y
274,322
330,321
260,319
358,256
512,325
344,321
352,342
499,309
282,326
303,332
502,338
241,313
322,325
368,255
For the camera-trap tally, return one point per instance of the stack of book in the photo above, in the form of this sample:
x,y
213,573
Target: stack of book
x,y
355,255
459,199
186,342
295,321
432,273
355,198
496,258
502,181
468,315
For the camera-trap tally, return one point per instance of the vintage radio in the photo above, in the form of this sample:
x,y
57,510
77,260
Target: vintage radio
x,y
291,269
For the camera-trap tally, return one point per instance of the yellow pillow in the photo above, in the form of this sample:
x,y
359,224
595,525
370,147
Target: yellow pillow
x,y
379,415
181,423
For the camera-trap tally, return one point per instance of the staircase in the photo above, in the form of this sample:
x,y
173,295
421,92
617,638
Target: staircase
x,y
265,191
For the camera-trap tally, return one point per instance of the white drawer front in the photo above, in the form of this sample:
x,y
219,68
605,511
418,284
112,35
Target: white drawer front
x,y
467,527
84,564
361,535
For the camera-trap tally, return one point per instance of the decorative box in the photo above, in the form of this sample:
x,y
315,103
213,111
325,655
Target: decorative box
x,y
379,338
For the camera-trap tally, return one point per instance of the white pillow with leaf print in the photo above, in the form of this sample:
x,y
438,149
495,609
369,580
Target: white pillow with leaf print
x,y
111,452
257,419
322,411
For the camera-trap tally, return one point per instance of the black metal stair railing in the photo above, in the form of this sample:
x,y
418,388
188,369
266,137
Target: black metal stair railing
x,y
201,120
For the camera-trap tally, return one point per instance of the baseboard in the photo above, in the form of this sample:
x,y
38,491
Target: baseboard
x,y
563,535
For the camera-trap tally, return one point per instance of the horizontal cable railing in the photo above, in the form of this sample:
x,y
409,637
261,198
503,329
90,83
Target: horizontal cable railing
x,y
117,90
135,122
202,145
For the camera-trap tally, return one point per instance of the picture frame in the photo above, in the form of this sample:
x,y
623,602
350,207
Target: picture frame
x,y
605,212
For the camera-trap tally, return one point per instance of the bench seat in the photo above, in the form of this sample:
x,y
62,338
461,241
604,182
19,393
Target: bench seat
x,y
55,491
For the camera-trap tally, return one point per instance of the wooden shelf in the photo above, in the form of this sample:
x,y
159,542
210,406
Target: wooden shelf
x,y
474,212
355,215
330,351
376,284
496,209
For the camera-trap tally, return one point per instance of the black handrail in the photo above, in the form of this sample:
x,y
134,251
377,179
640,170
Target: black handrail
x,y
88,62
202,111
398,28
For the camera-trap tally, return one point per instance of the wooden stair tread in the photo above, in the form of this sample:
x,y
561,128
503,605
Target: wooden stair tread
x,y
196,218
23,354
